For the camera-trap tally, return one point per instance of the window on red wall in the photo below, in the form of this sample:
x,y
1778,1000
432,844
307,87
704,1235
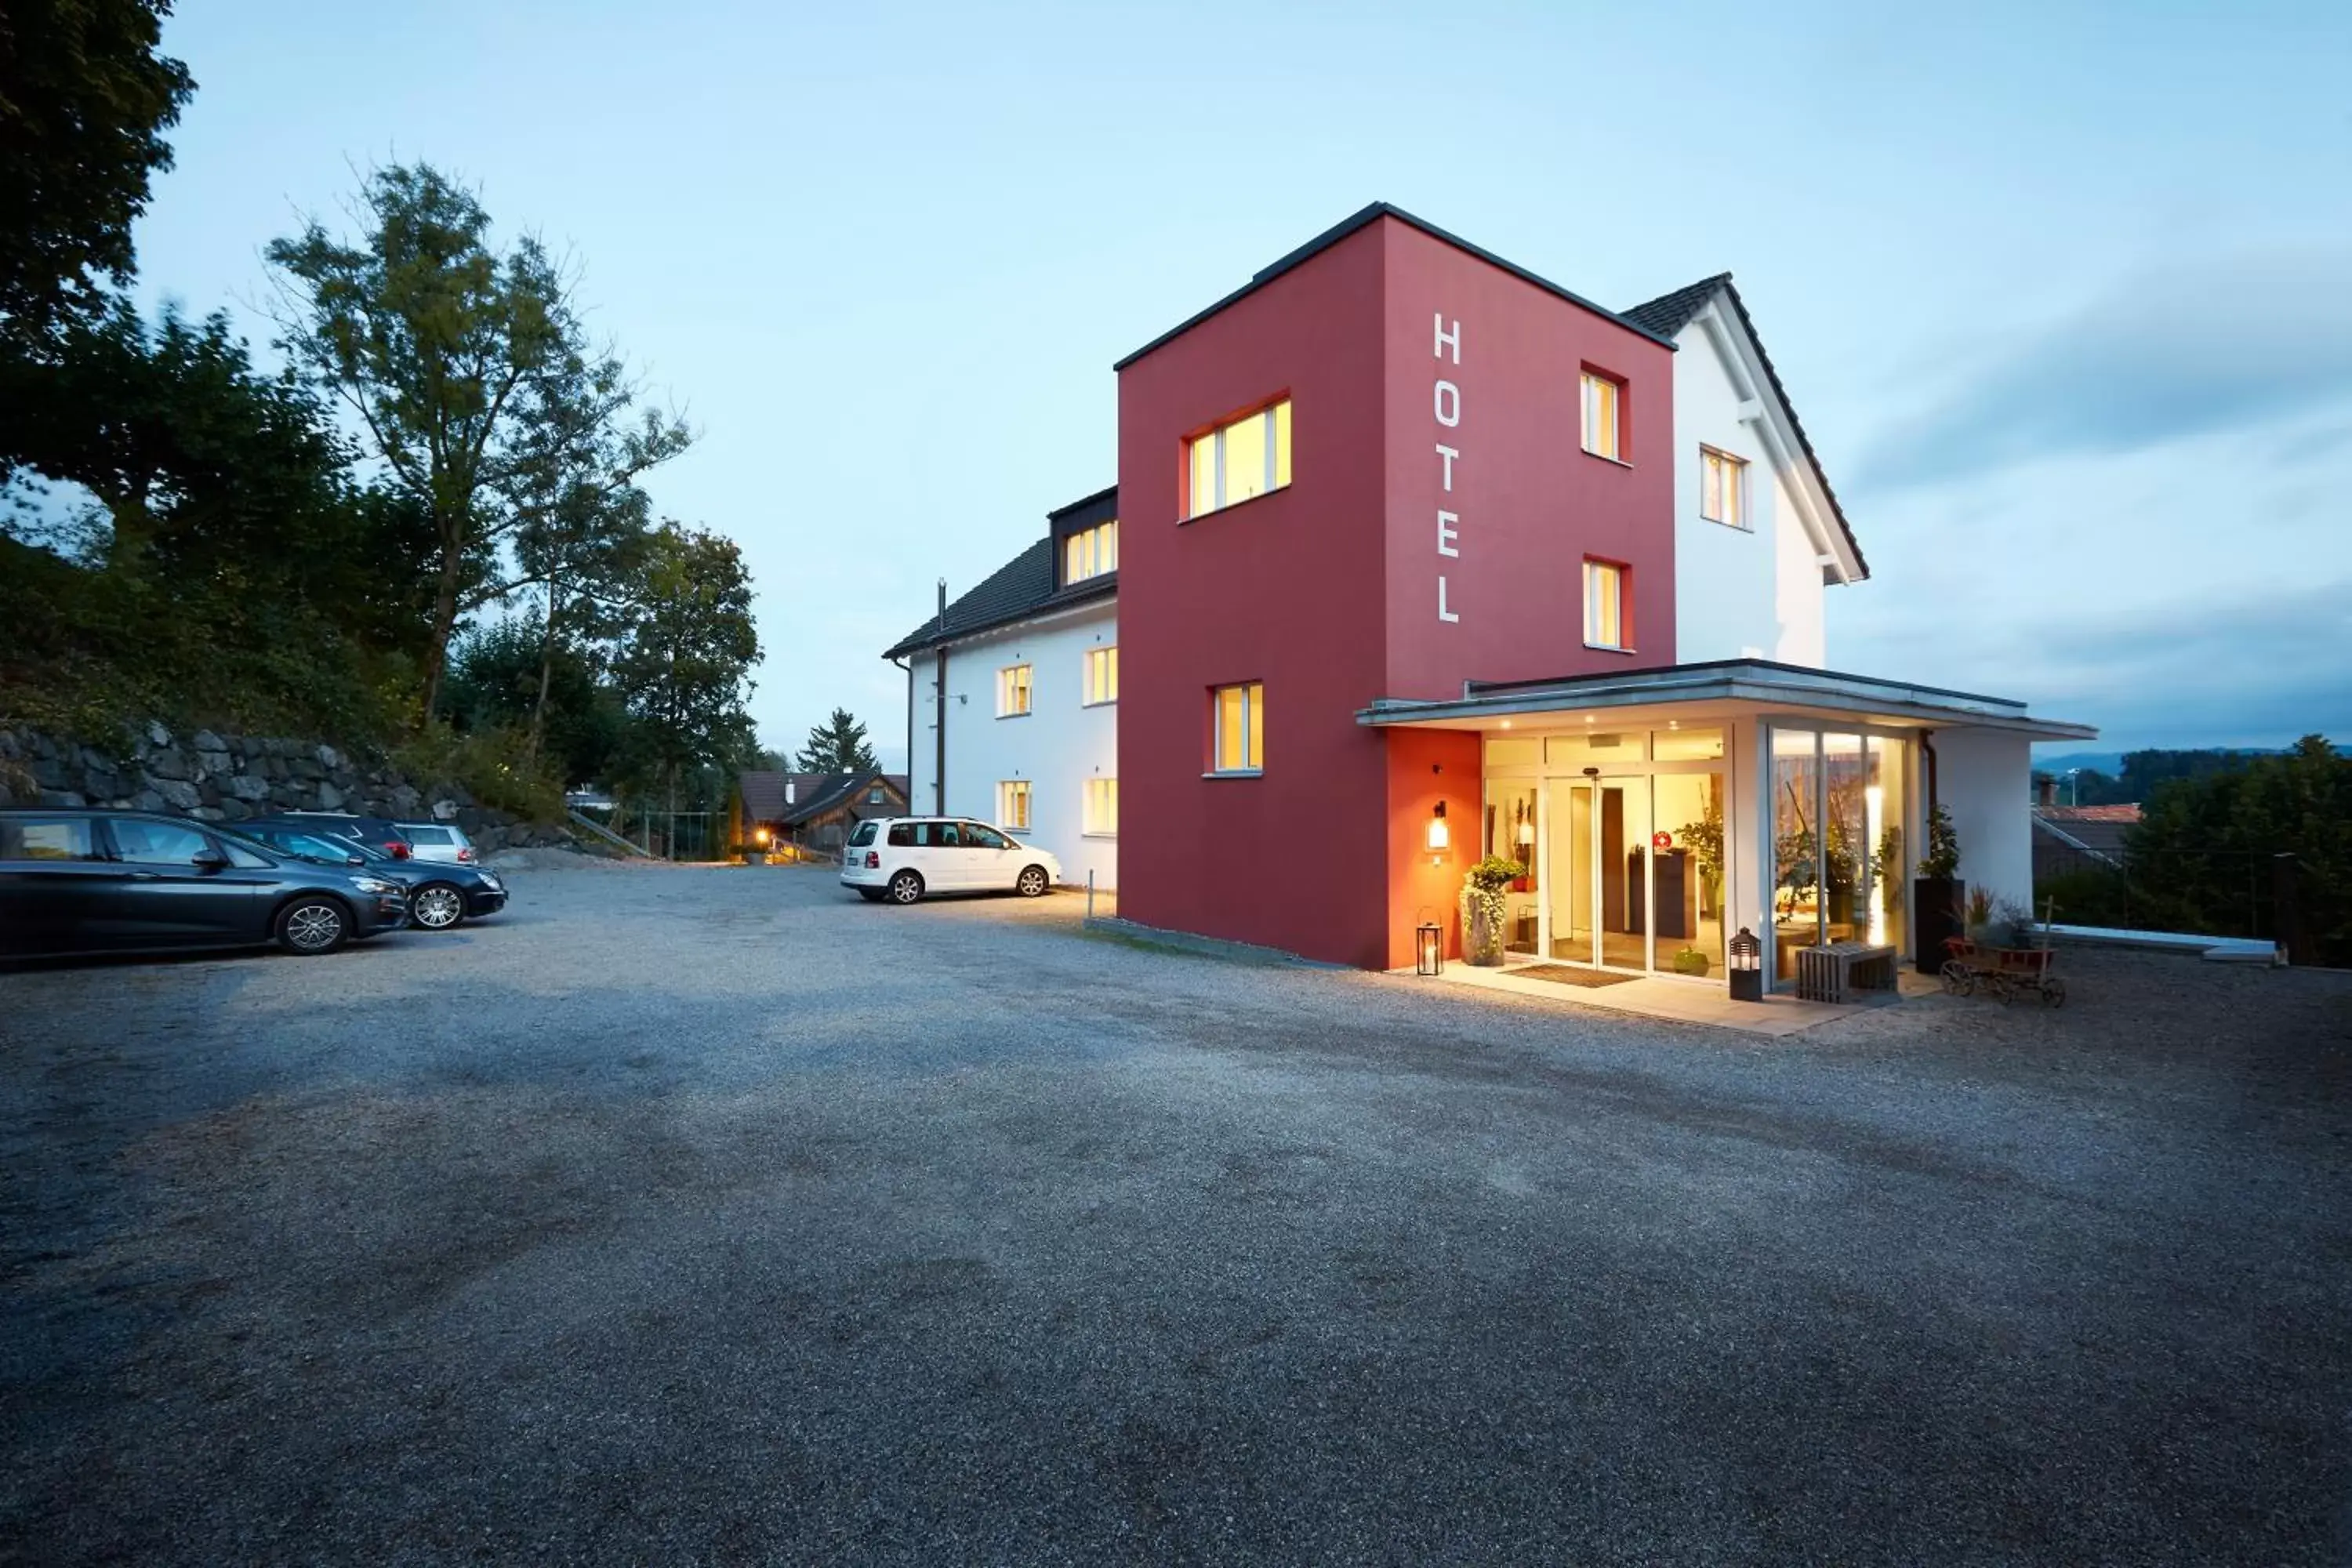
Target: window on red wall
x,y
1604,415
1238,460
1606,623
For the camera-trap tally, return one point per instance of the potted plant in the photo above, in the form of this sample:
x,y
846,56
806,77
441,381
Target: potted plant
x,y
1484,907
1981,920
1691,961
1937,895
1704,838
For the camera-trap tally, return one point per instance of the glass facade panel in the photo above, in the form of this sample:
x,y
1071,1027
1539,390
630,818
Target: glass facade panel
x,y
1510,833
1230,730
1686,744
1597,747
1796,913
1886,801
1845,841
1690,871
1513,751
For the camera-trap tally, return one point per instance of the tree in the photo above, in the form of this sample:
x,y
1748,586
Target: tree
x,y
84,102
2204,848
838,746
471,374
684,661
500,678
227,550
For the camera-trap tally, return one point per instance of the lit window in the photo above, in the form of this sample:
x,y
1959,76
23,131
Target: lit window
x,y
1603,424
1233,462
1722,487
1102,807
1090,552
1241,729
1012,805
1604,605
1012,690
1102,675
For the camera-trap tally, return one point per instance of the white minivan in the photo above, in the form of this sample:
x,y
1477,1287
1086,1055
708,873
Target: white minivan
x,y
904,858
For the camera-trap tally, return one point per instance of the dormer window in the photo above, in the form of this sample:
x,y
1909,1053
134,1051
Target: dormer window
x,y
1090,552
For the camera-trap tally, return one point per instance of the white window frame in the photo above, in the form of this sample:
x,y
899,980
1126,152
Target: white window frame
x,y
1101,791
1596,573
1217,501
1010,793
1015,681
1099,662
1253,722
1732,487
1589,385
1098,545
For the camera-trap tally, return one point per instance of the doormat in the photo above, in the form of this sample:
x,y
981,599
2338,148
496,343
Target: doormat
x,y
1569,975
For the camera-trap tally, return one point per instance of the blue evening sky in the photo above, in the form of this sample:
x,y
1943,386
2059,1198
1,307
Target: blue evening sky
x,y
2060,290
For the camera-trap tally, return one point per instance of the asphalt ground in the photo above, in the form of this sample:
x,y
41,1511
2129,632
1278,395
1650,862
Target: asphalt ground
x,y
716,1217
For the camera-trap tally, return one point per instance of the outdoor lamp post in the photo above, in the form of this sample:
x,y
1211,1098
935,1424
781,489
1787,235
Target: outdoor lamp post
x,y
1429,948
1746,968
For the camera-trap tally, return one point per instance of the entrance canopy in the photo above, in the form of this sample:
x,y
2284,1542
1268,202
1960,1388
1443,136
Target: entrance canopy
x,y
1725,686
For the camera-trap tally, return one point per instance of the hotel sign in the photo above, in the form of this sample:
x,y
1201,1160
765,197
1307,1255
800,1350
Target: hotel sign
x,y
1446,406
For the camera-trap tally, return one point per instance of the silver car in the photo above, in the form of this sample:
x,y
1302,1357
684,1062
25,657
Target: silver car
x,y
444,842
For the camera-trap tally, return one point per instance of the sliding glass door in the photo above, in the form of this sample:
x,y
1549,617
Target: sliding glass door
x,y
1637,871
1839,857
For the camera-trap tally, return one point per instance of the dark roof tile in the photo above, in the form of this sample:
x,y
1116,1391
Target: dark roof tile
x,y
1022,587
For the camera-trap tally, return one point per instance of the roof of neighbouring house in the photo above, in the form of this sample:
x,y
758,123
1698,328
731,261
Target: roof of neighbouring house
x,y
813,794
1668,314
2101,829
1021,588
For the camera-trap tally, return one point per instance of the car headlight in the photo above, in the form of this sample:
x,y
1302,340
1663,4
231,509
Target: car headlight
x,y
492,883
375,885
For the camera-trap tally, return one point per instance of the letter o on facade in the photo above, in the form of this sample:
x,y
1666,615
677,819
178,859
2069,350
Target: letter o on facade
x,y
1448,400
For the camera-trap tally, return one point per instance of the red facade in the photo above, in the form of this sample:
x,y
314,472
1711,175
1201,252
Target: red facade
x,y
1392,343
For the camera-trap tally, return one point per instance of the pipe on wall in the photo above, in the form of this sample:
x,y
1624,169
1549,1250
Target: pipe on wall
x,y
940,757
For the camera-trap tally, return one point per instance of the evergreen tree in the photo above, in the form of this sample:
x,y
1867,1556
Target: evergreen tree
x,y
838,746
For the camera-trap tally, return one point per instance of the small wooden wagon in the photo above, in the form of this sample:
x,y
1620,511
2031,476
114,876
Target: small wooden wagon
x,y
2005,973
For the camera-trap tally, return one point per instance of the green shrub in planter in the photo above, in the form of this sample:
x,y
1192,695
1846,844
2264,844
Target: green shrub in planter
x,y
1691,961
1484,907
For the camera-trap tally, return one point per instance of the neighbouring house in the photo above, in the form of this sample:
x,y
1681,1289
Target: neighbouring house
x,y
2065,837
811,812
1414,557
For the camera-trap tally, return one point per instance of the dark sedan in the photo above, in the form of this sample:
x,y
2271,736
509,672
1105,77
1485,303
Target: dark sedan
x,y
76,882
440,896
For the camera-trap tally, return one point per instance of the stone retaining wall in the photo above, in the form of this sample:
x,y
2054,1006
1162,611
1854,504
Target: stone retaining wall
x,y
224,778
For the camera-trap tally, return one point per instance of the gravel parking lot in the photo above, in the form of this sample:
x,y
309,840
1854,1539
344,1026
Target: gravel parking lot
x,y
713,1216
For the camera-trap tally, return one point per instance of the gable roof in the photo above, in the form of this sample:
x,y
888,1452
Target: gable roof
x,y
813,794
1668,314
1022,587
1365,219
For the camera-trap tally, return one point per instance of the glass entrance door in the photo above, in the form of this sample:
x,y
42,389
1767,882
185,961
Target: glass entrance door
x,y
1635,870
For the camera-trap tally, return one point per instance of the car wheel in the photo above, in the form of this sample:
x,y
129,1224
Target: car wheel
x,y
1033,883
437,906
871,895
906,887
314,924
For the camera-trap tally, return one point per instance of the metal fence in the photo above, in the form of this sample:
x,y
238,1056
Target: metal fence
x,y
2222,892
672,835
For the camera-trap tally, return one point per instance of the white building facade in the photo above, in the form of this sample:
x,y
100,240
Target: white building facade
x,y
1013,697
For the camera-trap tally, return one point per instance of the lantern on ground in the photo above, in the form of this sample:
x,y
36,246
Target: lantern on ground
x,y
1429,948
1746,968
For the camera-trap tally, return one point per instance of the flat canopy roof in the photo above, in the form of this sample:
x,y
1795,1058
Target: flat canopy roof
x,y
1730,685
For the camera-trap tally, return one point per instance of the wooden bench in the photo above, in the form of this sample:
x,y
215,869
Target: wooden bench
x,y
1828,973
